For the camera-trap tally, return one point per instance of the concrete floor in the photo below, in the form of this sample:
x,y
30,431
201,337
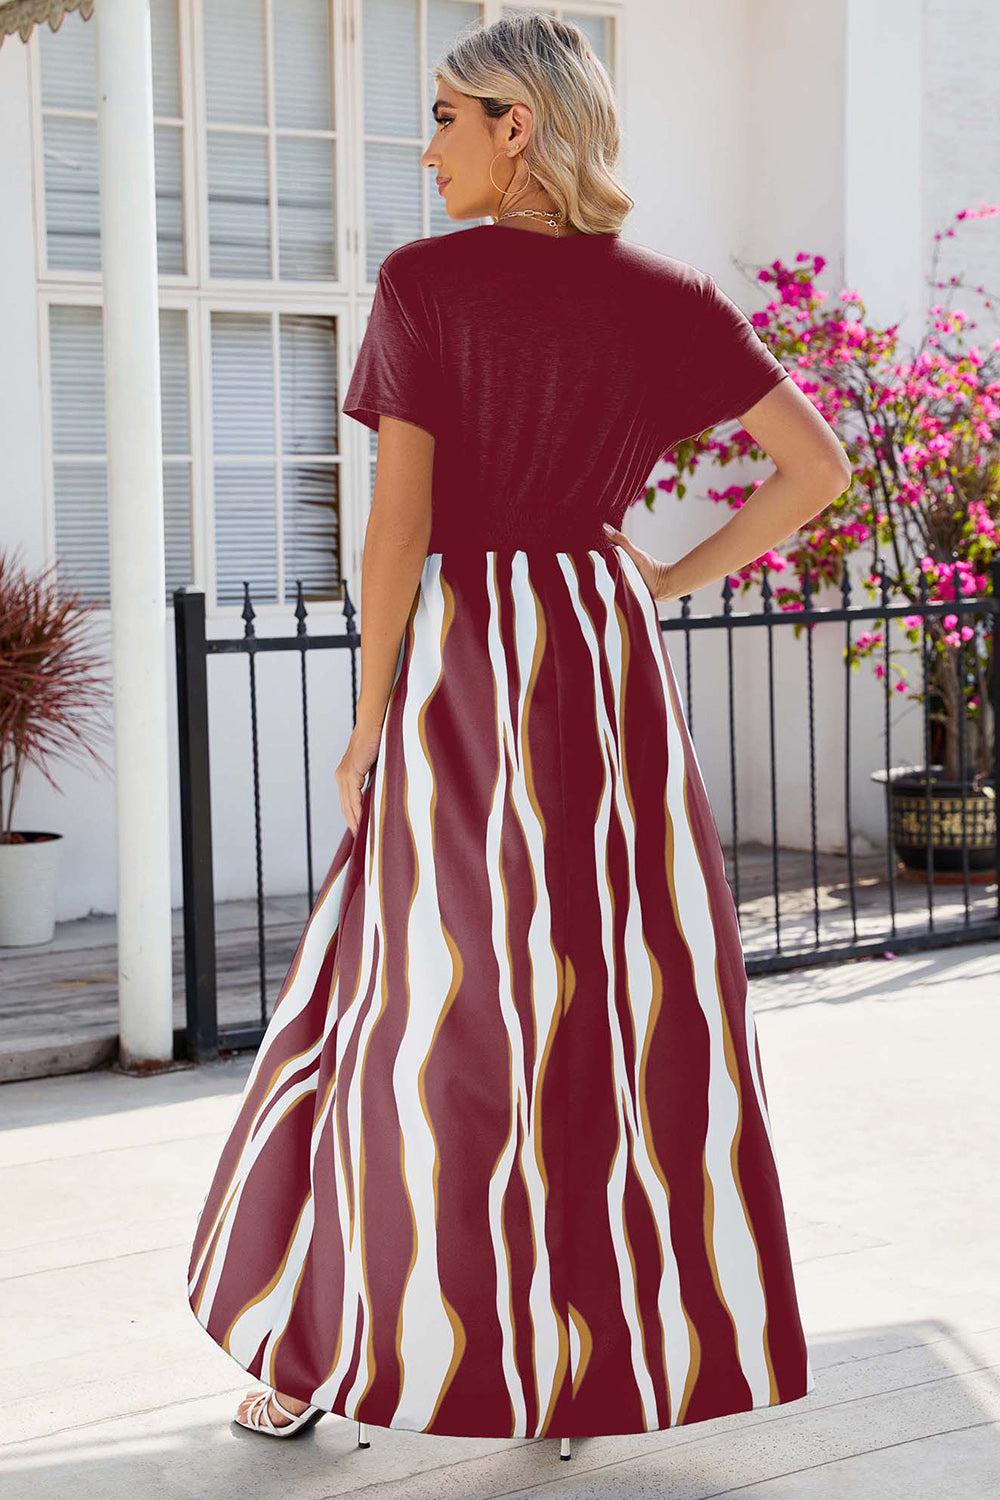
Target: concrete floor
x,y
882,1083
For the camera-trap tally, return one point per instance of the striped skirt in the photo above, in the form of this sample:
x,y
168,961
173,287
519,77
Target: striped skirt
x,y
503,1164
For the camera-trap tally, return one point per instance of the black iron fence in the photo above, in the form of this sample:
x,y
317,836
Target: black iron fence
x,y
935,880
205,1034
802,900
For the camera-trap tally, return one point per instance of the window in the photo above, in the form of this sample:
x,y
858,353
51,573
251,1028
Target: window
x,y
596,27
276,199
67,100
79,447
399,41
274,416
270,147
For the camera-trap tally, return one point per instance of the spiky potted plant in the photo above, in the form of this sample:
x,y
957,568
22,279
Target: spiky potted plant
x,y
53,694
922,432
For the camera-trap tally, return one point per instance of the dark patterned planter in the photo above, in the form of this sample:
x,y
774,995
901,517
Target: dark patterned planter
x,y
909,805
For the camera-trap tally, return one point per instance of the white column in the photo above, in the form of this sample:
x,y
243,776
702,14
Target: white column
x,y
135,504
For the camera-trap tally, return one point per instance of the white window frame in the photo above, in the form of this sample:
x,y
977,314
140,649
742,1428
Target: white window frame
x,y
347,299
50,296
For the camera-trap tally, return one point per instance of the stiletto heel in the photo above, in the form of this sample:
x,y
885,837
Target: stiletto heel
x,y
363,1439
564,1449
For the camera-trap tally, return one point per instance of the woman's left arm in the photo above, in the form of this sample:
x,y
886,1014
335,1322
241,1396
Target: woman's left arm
x,y
811,469
395,549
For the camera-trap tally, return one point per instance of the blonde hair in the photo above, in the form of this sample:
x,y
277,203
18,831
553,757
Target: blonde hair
x,y
550,65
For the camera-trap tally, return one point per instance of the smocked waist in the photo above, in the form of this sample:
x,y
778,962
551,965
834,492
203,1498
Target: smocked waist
x,y
580,539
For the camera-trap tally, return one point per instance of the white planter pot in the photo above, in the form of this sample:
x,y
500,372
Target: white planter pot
x,y
28,875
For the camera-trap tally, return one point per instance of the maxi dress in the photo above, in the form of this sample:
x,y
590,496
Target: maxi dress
x,y
503,1164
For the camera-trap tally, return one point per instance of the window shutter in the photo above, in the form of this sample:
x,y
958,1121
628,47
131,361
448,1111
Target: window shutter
x,y
243,452
79,449
175,416
244,176
390,50
276,464
310,471
597,30
302,53
401,200
239,224
445,19
69,143
306,232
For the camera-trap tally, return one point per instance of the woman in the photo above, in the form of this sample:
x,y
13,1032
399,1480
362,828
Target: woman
x,y
503,1164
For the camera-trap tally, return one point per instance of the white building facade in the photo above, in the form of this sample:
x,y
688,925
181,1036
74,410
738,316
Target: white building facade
x,y
287,138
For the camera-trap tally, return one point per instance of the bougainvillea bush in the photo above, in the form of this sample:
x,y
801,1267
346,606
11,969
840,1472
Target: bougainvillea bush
x,y
920,427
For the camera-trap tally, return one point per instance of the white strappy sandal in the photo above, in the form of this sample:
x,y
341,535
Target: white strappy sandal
x,y
258,1418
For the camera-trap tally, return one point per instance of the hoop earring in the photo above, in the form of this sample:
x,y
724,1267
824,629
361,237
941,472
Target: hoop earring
x,y
503,191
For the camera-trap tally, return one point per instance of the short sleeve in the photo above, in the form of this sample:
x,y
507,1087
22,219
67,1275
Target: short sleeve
x,y
395,371
728,367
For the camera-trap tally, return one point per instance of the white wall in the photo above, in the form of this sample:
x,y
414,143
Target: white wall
x,y
751,137
750,134
961,141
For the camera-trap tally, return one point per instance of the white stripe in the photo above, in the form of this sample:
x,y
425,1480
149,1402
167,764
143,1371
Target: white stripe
x,y
750,1026
369,982
248,1159
733,1242
545,996
426,1337
624,1103
251,1326
346,1021
678,1352
503,1170
574,1348
322,925
355,1306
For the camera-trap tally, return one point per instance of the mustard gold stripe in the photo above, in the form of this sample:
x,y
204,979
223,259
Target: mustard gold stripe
x,y
559,1376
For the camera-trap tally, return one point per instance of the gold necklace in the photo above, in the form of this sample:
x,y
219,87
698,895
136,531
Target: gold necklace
x,y
551,218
